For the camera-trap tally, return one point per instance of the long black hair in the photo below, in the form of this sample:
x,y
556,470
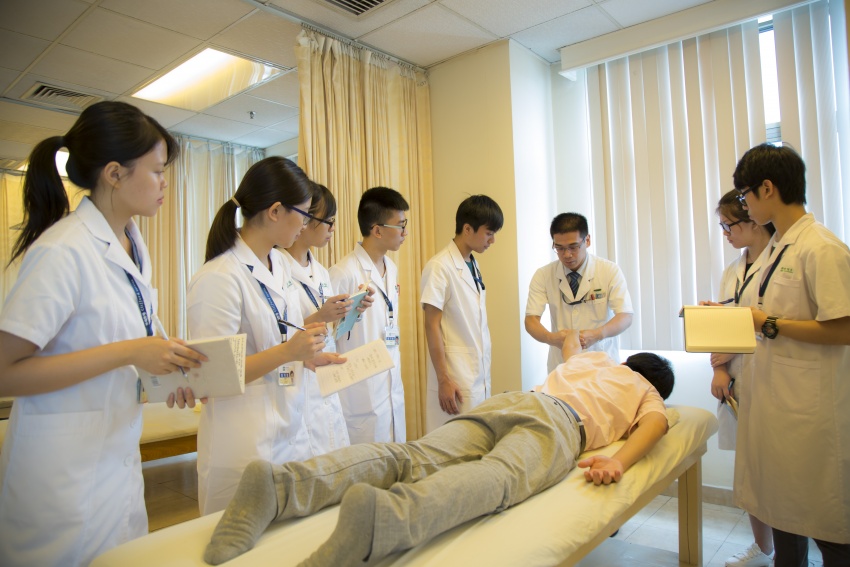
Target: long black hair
x,y
269,181
105,132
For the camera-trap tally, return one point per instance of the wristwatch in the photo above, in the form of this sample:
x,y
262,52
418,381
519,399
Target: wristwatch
x,y
769,329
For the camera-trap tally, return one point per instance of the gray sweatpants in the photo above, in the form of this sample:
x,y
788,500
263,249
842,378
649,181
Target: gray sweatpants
x,y
507,449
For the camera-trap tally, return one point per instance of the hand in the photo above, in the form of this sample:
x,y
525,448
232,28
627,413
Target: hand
x,y
590,337
759,317
720,358
720,384
304,345
367,301
183,398
451,397
158,356
601,469
712,303
335,308
557,338
567,337
323,359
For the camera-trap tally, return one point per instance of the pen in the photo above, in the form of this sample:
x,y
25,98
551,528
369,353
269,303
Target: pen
x,y
725,301
294,326
162,332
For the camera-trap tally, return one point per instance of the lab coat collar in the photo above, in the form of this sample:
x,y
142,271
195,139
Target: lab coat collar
x,y
369,268
793,233
273,280
461,265
96,224
305,275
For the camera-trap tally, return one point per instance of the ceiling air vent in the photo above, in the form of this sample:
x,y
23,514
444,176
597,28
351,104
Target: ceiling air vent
x,y
59,97
357,7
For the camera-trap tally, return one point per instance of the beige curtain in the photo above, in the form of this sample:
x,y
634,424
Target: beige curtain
x,y
365,121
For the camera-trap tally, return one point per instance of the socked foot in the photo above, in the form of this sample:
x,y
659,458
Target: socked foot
x,y
249,513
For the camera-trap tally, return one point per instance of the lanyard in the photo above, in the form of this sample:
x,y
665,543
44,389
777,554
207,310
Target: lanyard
x,y
763,286
281,327
740,292
313,297
389,304
479,278
146,319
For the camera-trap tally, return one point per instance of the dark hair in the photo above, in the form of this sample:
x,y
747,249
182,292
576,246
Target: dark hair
x,y
376,206
780,164
656,369
104,132
323,205
478,211
269,181
730,207
568,222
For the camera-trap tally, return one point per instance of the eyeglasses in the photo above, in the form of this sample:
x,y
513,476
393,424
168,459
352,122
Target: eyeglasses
x,y
572,248
401,226
307,216
742,193
728,227
330,222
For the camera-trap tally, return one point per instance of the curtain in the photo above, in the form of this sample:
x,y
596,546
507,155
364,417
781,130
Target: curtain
x,y
365,121
667,127
200,180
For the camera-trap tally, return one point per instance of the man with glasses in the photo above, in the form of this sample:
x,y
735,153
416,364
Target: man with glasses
x,y
582,291
792,466
374,408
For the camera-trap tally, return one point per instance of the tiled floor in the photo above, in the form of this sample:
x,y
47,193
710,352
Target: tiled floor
x,y
649,539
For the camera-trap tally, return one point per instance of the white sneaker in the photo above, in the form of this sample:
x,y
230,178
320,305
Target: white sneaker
x,y
750,557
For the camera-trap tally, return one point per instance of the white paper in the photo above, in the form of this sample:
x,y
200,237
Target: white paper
x,y
222,375
362,363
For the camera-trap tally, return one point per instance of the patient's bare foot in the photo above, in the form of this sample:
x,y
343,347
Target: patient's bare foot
x,y
249,513
351,541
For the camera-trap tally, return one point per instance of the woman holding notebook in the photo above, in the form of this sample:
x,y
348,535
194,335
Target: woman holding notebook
x,y
246,286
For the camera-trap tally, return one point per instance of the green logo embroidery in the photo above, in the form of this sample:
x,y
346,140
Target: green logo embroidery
x,y
786,270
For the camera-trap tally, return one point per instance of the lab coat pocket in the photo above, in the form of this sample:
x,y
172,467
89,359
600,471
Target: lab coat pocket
x,y
787,299
795,385
600,308
464,367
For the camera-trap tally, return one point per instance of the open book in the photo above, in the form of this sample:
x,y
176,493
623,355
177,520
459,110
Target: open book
x,y
361,363
222,375
719,329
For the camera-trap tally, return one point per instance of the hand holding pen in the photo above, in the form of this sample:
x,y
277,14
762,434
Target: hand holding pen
x,y
305,344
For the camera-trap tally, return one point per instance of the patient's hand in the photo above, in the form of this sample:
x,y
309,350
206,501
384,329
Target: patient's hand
x,y
590,337
602,469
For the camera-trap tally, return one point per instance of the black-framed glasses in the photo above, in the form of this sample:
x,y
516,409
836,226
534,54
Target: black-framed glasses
x,y
330,222
401,225
742,193
307,216
572,248
728,227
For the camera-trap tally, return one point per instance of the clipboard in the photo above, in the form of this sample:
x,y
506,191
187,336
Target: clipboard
x,y
222,375
346,323
711,328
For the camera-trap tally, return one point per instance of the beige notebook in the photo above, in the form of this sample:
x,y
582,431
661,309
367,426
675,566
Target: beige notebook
x,y
361,363
719,329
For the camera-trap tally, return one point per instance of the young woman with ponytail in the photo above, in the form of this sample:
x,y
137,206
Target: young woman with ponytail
x,y
246,287
80,314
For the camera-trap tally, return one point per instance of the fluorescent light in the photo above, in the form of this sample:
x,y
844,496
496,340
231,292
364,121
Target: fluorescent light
x,y
61,160
206,79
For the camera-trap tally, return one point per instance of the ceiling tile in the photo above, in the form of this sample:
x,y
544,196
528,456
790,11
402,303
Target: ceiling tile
x,y
214,128
290,125
45,19
26,133
201,19
129,40
348,25
239,107
284,89
14,150
90,70
428,36
263,35
546,39
263,138
166,115
628,12
36,117
504,17
20,50
6,78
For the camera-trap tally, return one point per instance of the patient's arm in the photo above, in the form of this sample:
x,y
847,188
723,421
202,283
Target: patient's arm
x,y
572,344
605,470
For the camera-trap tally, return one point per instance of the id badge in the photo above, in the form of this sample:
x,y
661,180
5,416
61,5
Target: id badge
x,y
285,374
391,336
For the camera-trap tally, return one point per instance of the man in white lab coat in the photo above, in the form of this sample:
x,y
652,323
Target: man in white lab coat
x,y
453,297
374,408
792,466
583,292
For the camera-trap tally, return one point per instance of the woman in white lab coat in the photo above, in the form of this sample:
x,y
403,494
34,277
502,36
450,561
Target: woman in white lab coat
x,y
739,287
246,287
325,424
80,314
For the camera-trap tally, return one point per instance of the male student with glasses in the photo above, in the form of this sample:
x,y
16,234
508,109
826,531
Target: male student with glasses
x,y
582,291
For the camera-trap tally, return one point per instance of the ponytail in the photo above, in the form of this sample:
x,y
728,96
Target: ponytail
x,y
45,200
222,235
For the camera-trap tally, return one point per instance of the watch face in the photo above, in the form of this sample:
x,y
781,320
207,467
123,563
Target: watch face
x,y
769,329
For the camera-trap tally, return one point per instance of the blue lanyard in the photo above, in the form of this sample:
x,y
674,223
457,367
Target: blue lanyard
x,y
479,278
281,327
313,297
389,303
146,319
763,286
740,292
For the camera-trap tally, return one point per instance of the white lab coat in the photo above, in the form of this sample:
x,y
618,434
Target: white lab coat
x,y
373,408
268,420
447,284
325,422
792,467
732,279
70,472
550,287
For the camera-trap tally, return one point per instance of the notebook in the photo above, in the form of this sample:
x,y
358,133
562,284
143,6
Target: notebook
x,y
361,363
719,329
222,375
346,323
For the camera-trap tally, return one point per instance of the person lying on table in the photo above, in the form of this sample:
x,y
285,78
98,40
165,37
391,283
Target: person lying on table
x,y
394,496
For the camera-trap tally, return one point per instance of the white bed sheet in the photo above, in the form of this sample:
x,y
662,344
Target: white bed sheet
x,y
547,529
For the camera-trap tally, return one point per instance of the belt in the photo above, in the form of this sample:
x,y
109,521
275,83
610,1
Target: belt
x,y
575,416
